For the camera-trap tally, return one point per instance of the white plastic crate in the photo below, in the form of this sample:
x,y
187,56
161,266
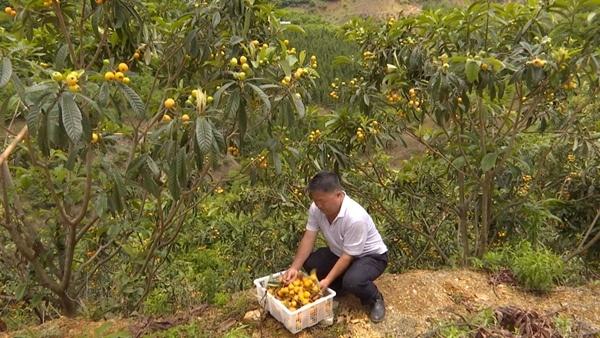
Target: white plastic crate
x,y
296,321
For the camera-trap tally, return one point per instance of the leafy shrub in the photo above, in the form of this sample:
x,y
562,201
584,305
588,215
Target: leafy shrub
x,y
495,260
535,268
453,331
157,303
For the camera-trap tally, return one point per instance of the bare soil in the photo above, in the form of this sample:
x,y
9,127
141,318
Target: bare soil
x,y
346,9
417,302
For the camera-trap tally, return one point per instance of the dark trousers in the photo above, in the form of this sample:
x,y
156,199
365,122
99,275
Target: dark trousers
x,y
357,279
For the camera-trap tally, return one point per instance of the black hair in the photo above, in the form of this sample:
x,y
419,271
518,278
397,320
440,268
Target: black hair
x,y
326,181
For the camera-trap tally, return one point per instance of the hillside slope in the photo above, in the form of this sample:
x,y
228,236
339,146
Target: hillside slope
x,y
417,303
341,11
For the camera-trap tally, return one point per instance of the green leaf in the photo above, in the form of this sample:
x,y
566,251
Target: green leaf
x,y
20,292
234,102
488,161
219,140
32,116
152,166
457,59
591,17
181,167
71,117
134,99
264,97
497,65
172,181
302,56
41,87
149,183
293,28
242,121
61,57
247,22
341,60
216,19
5,71
291,60
115,201
471,70
134,167
218,93
300,109
285,66
204,134
235,40
459,162
42,135
101,204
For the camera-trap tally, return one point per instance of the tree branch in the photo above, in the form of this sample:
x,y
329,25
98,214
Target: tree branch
x,y
65,31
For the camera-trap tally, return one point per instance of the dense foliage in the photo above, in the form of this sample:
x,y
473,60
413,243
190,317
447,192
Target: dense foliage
x,y
170,143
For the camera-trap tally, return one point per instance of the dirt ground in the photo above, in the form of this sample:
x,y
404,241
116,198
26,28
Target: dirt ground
x,y
416,302
346,9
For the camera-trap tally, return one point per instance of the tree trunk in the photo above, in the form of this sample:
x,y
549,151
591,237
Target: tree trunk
x,y
69,306
462,220
486,198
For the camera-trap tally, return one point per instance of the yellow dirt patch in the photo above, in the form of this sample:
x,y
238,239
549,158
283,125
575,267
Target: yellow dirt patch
x,y
346,9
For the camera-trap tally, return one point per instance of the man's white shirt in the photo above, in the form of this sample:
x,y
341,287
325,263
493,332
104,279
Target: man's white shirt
x,y
352,231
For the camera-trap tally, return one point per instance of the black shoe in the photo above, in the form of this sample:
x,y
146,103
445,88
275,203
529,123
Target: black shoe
x,y
377,310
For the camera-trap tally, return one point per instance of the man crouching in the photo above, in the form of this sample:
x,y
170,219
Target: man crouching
x,y
356,254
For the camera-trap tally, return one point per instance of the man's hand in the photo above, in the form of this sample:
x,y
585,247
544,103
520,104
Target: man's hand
x,y
324,284
290,275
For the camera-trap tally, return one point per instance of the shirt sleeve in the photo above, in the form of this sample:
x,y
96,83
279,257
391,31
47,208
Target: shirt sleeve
x,y
355,238
313,218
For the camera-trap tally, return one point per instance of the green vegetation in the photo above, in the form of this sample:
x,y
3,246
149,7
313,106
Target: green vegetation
x,y
169,144
508,320
536,269
327,42
286,3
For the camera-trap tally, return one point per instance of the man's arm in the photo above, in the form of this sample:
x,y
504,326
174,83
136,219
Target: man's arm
x,y
304,249
338,269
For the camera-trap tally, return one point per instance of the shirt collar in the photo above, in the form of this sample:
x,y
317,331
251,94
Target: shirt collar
x,y
344,207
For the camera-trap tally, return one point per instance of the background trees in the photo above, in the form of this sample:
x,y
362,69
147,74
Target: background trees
x,y
161,150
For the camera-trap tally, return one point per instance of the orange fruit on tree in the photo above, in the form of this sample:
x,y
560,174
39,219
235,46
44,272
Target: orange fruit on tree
x,y
119,76
71,79
169,103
